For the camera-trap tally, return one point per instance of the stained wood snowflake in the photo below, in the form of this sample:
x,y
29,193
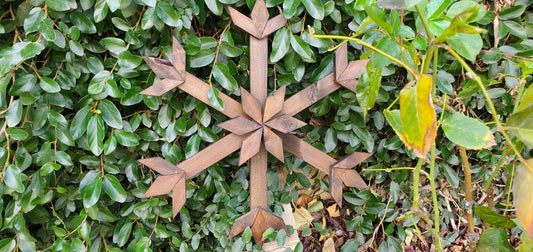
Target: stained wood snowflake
x,y
257,125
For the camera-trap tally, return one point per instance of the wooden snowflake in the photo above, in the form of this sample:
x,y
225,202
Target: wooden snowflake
x,y
257,125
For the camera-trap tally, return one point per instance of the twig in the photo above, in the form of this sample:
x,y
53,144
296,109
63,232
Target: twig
x,y
468,189
507,55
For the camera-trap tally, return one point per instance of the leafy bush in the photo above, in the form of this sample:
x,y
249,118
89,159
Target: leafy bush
x,y
74,123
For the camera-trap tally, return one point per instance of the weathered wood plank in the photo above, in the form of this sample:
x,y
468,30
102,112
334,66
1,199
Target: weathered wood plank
x,y
211,154
310,95
199,89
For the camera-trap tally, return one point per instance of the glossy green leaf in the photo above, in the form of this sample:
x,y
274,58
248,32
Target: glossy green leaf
x,y
114,45
378,16
166,12
330,140
202,58
7,244
390,47
90,188
33,21
47,30
95,134
223,76
230,50
214,99
14,114
368,87
100,11
315,8
512,12
494,239
126,138
193,146
280,44
56,119
128,60
494,218
110,145
281,237
12,179
110,114
19,52
436,8
49,85
246,235
214,6
61,5
467,132
122,233
302,49
63,158
467,45
113,4
290,7
17,133
78,127
515,29
83,22
113,188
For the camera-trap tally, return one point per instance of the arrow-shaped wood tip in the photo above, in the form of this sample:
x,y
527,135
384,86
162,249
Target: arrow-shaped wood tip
x,y
160,165
161,87
164,69
163,184
258,220
178,196
347,74
342,173
243,22
351,160
178,58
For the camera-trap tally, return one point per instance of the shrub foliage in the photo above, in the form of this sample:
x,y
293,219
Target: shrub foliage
x,y
74,123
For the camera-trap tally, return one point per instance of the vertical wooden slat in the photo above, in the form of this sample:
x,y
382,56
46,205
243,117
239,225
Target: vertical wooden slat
x,y
258,69
258,179
258,89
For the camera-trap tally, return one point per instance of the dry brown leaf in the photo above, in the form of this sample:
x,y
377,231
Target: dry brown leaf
x,y
302,218
303,200
333,211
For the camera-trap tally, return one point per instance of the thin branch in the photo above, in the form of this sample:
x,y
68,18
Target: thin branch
x,y
371,47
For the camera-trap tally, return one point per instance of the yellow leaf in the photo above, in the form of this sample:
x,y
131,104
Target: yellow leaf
x,y
522,188
418,117
302,218
329,245
333,211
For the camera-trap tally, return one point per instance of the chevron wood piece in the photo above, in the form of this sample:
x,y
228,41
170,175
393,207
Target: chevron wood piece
x,y
259,220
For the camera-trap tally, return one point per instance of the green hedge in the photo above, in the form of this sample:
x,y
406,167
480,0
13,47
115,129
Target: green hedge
x,y
74,123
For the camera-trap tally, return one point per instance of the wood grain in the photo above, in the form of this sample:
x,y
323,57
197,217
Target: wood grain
x,y
161,87
199,89
239,125
273,144
274,103
211,154
310,95
258,181
250,146
285,123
